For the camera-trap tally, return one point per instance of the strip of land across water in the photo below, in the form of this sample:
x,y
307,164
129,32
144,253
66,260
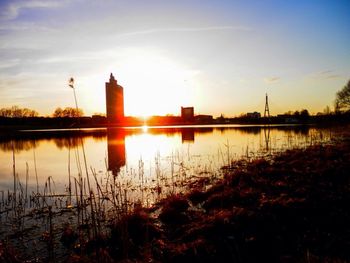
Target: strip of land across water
x,y
10,124
292,207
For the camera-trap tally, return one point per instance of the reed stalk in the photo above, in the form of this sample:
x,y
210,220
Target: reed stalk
x,y
69,177
14,176
35,169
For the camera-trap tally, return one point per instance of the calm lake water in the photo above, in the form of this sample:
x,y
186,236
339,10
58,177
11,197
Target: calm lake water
x,y
157,158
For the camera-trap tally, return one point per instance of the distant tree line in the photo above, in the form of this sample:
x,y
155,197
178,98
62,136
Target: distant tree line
x,y
341,104
17,112
67,112
304,113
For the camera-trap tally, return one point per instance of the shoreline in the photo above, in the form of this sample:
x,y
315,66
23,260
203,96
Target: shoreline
x,y
27,132
8,125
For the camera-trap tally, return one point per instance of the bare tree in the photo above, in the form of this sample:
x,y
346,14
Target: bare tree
x,y
29,113
58,113
67,112
342,98
17,112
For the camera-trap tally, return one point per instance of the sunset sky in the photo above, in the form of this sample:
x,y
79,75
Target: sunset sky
x,y
218,56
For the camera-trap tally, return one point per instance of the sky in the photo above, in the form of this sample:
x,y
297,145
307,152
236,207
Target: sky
x,y
220,57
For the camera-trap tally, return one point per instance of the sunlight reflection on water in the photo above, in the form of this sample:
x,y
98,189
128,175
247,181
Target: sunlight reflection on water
x,y
145,158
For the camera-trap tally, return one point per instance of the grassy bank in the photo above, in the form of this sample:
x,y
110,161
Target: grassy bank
x,y
293,207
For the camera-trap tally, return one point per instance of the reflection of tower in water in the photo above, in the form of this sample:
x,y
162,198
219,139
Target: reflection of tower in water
x,y
116,150
187,135
267,138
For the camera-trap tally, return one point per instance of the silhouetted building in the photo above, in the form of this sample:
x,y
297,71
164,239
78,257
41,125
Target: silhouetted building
x,y
114,101
187,113
116,149
204,119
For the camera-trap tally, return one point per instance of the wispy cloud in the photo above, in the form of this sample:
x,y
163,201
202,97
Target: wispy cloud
x,y
9,63
325,74
187,29
334,76
271,80
8,26
12,10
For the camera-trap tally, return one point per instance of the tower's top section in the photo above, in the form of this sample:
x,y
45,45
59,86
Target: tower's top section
x,y
112,84
112,79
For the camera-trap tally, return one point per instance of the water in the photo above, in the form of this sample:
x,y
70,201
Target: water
x,y
150,152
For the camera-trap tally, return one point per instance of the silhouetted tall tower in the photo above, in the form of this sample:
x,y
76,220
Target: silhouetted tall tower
x,y
267,110
114,101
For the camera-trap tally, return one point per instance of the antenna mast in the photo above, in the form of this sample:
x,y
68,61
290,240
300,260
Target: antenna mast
x,y
267,110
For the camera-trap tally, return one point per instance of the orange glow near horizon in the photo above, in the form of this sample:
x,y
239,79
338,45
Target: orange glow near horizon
x,y
154,85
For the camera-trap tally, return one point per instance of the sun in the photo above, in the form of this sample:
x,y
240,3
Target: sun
x,y
154,85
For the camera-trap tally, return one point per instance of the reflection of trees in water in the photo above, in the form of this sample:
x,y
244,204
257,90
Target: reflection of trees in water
x,y
71,142
26,144
243,130
293,130
62,138
18,145
296,130
301,130
99,137
250,130
75,140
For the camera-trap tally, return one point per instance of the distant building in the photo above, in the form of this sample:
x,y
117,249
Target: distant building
x,y
187,113
204,119
114,101
254,115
